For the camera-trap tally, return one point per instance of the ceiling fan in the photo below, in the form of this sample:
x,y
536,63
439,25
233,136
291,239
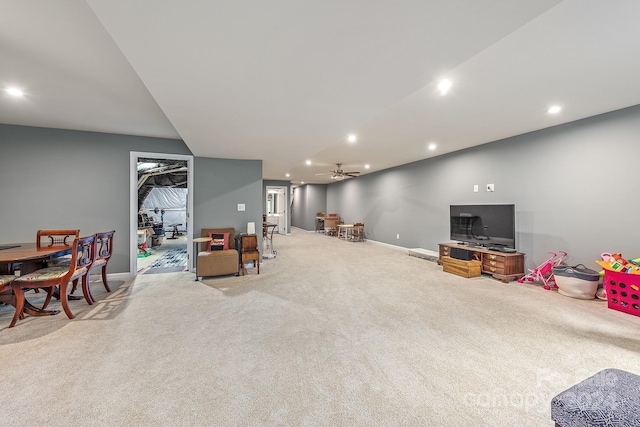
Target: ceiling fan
x,y
338,174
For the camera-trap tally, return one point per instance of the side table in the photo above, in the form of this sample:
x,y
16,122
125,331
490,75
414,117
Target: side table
x,y
195,251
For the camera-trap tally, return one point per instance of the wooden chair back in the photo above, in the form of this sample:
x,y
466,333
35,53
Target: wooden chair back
x,y
104,245
249,243
49,238
330,225
84,253
249,251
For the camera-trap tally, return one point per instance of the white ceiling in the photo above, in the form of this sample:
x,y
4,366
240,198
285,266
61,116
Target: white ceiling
x,y
286,81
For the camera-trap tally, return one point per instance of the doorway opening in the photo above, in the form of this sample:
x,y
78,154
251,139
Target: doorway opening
x,y
161,205
276,206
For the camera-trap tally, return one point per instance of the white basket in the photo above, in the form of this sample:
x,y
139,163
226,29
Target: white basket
x,y
576,282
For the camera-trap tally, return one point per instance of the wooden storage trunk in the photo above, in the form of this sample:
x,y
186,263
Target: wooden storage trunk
x,y
461,268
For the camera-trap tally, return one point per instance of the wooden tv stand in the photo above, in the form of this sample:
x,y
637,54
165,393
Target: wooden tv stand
x,y
501,265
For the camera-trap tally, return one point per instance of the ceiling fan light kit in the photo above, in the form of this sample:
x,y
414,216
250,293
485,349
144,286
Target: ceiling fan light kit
x,y
338,174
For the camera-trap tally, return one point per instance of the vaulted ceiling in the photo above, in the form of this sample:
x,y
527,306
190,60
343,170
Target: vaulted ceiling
x,y
287,81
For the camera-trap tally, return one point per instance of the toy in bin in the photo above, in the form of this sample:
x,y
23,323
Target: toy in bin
x,y
615,262
621,283
623,291
544,272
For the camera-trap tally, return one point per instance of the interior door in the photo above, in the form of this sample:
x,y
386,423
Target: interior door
x,y
282,211
135,183
277,207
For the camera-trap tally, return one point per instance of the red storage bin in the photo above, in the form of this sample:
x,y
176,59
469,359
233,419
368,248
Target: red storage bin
x,y
623,291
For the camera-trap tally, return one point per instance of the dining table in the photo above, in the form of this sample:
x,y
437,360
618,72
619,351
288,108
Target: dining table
x,y
30,258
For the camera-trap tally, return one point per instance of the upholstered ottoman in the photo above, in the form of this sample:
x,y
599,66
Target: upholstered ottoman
x,y
609,398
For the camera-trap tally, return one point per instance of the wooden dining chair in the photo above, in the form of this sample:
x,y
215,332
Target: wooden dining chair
x,y
103,252
357,234
6,293
55,238
82,255
331,226
249,251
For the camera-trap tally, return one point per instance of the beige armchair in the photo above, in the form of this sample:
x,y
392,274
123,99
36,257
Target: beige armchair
x,y
217,263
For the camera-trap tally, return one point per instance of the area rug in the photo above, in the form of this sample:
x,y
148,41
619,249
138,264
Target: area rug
x,y
174,260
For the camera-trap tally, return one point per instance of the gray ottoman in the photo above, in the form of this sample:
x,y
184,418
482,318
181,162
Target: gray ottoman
x,y
609,398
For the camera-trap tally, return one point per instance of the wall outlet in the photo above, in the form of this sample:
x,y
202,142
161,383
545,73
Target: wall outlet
x,y
398,236
490,187
475,188
240,207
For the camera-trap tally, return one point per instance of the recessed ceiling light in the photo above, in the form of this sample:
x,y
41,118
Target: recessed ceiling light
x,y
367,166
287,175
15,91
352,138
432,147
308,162
444,86
555,109
301,182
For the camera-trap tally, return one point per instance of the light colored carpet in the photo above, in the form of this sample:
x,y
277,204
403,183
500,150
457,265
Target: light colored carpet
x,y
329,333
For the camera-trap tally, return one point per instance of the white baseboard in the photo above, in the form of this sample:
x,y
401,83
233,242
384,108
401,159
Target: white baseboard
x,y
389,245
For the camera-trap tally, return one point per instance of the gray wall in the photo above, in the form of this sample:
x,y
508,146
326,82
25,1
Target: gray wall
x,y
220,185
52,178
573,187
308,200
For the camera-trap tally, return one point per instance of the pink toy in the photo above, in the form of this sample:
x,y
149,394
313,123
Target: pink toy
x,y
544,272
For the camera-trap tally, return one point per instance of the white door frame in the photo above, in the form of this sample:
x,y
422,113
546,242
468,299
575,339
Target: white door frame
x,y
133,205
283,190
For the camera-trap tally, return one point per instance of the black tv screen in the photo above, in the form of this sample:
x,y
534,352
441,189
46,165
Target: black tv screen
x,y
484,225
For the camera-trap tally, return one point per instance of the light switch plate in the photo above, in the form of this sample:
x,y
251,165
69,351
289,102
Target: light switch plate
x,y
240,207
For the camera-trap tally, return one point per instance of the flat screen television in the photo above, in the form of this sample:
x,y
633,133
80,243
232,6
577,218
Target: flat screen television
x,y
491,226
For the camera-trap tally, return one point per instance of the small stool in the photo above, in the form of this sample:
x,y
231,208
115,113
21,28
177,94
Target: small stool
x,y
609,398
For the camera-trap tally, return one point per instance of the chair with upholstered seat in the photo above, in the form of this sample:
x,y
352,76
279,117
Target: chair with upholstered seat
x,y
214,262
55,238
103,252
6,293
5,282
82,255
